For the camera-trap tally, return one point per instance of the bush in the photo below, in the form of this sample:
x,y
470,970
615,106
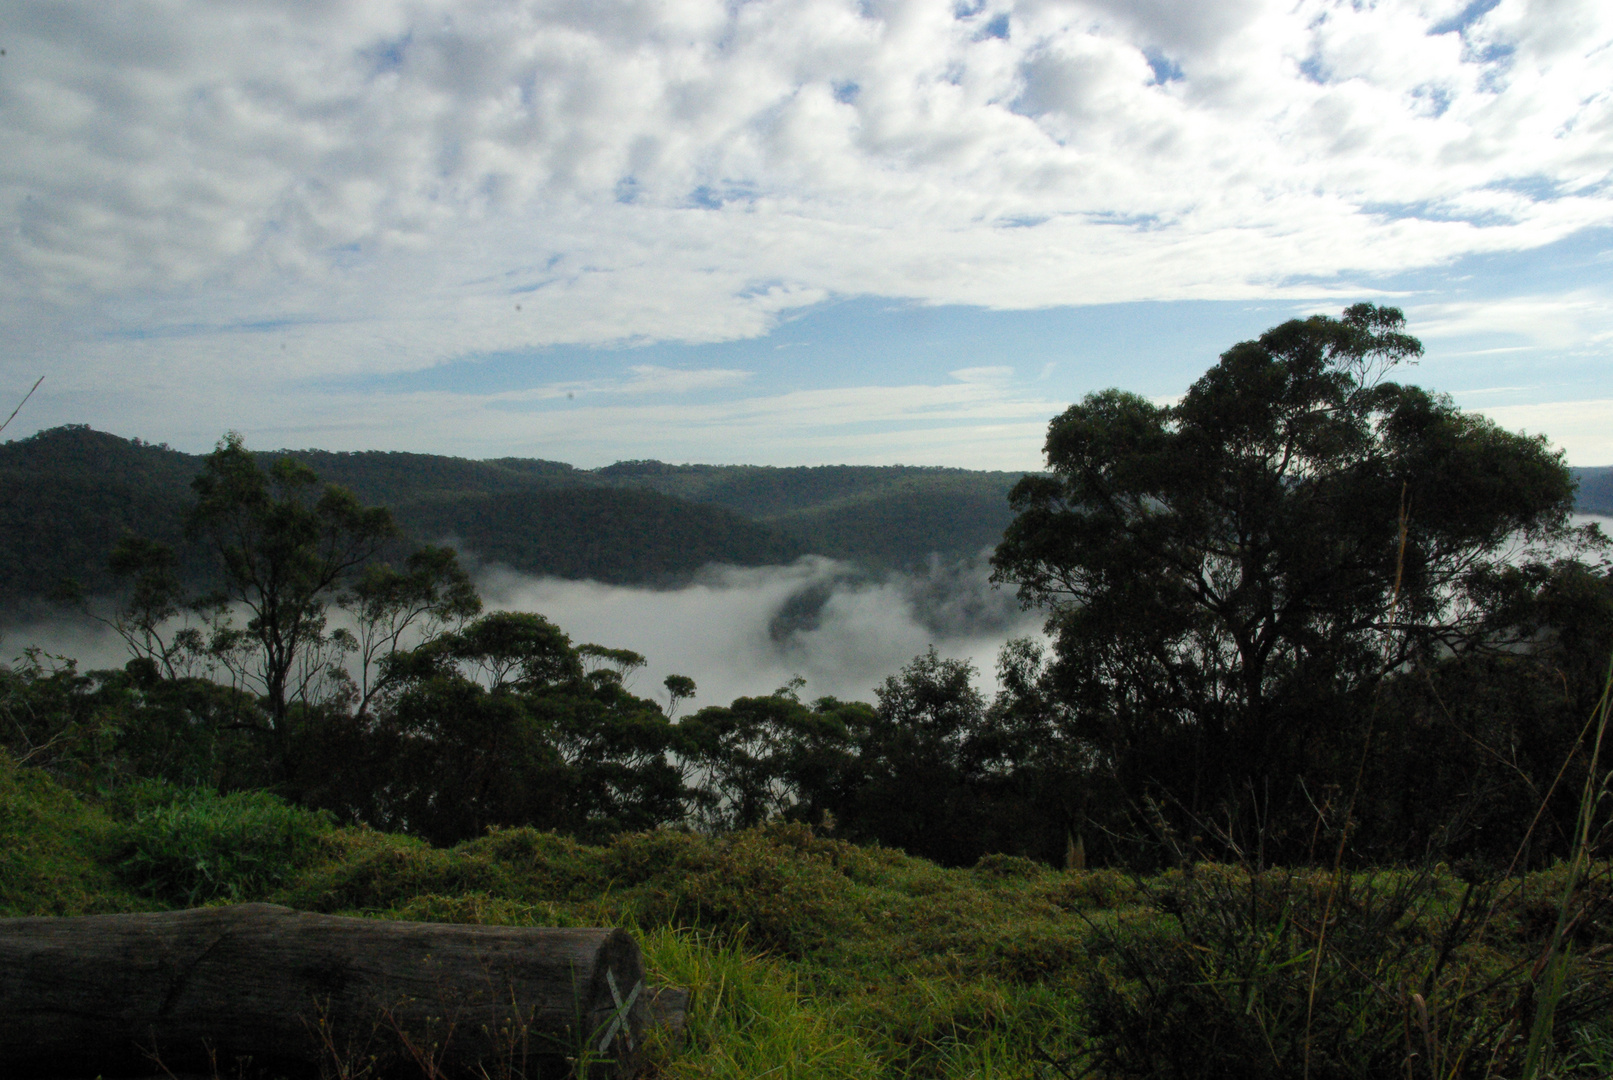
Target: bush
x,y
192,845
52,848
1226,982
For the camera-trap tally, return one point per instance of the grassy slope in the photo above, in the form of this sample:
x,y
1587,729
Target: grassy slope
x,y
818,955
55,850
805,956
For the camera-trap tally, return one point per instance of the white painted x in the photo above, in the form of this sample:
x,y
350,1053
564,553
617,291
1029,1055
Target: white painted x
x,y
619,1021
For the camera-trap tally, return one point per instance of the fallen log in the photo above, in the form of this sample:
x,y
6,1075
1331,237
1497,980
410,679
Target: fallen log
x,y
257,989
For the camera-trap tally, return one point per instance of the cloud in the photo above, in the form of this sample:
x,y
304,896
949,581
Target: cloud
x,y
222,199
156,145
975,424
736,632
640,379
650,379
985,375
1579,428
1581,317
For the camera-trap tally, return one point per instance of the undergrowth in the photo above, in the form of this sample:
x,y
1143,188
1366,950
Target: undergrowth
x,y
191,845
809,957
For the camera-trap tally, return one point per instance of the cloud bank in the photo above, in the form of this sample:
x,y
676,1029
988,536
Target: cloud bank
x,y
207,202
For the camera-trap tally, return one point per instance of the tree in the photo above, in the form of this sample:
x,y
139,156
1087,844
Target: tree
x,y
772,757
1229,578
430,596
502,722
679,688
152,598
286,545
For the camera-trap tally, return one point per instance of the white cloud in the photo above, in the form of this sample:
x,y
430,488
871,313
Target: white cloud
x,y
650,379
736,631
985,425
988,375
1581,317
226,197
1582,429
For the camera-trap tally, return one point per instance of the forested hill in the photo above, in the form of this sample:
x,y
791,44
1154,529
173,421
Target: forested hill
x,y
1595,490
67,494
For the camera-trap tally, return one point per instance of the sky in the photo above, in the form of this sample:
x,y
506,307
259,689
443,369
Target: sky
x,y
782,231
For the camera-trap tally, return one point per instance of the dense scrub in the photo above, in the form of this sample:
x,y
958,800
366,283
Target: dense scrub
x,y
815,957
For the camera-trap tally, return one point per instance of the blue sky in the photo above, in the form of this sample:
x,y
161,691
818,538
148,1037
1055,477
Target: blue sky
x,y
783,231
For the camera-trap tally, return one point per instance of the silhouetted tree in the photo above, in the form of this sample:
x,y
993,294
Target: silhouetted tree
x,y
1228,578
286,544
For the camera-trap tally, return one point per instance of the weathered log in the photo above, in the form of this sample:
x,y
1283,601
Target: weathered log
x,y
280,992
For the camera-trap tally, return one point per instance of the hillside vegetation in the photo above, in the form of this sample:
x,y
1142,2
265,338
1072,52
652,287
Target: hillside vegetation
x,y
808,956
68,494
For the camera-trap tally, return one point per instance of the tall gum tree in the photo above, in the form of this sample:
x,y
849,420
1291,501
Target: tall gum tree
x,y
286,544
1228,578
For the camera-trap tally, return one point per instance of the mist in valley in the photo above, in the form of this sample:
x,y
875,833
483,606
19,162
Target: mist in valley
x,y
737,631
748,631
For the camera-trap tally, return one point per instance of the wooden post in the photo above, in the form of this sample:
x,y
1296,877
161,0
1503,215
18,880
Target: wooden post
x,y
277,990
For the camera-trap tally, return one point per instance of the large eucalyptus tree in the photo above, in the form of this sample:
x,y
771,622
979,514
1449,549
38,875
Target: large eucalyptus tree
x,y
1228,578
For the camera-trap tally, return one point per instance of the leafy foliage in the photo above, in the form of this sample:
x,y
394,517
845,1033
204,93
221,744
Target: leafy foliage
x,y
1229,579
499,723
189,846
286,545
106,729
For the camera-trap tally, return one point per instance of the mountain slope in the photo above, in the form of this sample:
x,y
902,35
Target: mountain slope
x,y
1595,495
68,494
620,536
891,514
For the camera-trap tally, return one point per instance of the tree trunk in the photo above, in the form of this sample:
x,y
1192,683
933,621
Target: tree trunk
x,y
260,989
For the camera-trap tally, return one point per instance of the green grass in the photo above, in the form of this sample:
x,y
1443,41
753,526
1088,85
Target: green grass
x,y
55,850
809,957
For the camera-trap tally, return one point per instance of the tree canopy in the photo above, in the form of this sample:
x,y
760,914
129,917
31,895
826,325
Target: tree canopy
x,y
1229,578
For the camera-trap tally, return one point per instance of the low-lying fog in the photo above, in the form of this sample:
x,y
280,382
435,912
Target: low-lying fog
x,y
740,632
735,631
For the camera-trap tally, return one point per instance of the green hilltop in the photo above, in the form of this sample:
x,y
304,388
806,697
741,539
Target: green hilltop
x,y
68,494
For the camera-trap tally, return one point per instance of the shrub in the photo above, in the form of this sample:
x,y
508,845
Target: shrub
x,y
1226,982
196,845
52,844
